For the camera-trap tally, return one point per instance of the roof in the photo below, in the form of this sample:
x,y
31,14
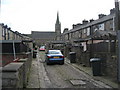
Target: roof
x,y
15,41
104,34
99,35
10,41
82,39
98,21
42,35
57,42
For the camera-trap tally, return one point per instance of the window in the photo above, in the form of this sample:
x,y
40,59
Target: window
x,y
80,34
3,33
84,46
8,35
111,25
76,34
68,36
84,31
101,26
88,31
54,52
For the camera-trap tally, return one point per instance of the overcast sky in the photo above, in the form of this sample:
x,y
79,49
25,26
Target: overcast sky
x,y
25,16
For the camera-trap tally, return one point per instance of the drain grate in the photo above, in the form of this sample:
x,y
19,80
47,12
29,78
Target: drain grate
x,y
78,82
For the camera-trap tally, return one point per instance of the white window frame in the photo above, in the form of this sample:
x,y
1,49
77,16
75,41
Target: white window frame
x,y
88,31
101,26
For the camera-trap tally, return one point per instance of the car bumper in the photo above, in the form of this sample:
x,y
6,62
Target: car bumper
x,y
55,61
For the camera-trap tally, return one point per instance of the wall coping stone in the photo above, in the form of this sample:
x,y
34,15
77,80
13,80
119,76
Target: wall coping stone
x,y
8,75
23,60
12,67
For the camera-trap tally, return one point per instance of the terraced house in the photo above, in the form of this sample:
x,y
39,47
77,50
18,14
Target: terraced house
x,y
14,44
15,57
93,38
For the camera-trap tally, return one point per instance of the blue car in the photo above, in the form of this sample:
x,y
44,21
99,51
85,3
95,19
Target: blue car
x,y
54,56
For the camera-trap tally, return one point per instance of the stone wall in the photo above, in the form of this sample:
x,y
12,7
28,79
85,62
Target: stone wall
x,y
12,75
112,66
81,57
109,65
76,49
85,58
15,74
67,50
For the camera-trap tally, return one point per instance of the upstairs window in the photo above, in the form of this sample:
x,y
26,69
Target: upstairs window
x,y
88,31
101,26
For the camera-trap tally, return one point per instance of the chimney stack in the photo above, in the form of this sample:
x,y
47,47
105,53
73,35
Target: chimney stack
x,y
76,25
101,15
91,20
73,26
112,11
85,21
65,30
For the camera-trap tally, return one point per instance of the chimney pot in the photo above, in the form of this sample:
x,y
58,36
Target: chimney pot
x,y
101,15
85,21
65,30
91,20
112,11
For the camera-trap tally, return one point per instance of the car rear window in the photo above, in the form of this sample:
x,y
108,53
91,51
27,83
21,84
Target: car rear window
x,y
42,47
54,52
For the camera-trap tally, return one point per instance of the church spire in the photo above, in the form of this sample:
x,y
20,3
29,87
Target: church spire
x,y
58,25
57,21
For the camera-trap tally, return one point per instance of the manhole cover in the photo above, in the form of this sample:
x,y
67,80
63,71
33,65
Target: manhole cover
x,y
78,82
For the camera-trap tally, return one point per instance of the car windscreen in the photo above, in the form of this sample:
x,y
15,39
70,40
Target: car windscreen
x,y
54,52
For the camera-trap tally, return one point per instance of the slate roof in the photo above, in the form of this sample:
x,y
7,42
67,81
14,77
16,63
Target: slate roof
x,y
10,41
99,35
57,42
104,34
98,21
43,35
15,41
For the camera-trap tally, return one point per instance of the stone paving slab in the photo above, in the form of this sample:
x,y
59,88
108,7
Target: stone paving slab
x,y
38,77
78,82
43,78
33,81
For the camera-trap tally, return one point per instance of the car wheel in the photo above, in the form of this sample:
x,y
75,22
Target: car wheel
x,y
48,63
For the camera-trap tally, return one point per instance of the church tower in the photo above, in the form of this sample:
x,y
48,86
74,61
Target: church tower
x,y
58,25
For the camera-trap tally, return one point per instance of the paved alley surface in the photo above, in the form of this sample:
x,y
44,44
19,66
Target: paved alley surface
x,y
59,76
